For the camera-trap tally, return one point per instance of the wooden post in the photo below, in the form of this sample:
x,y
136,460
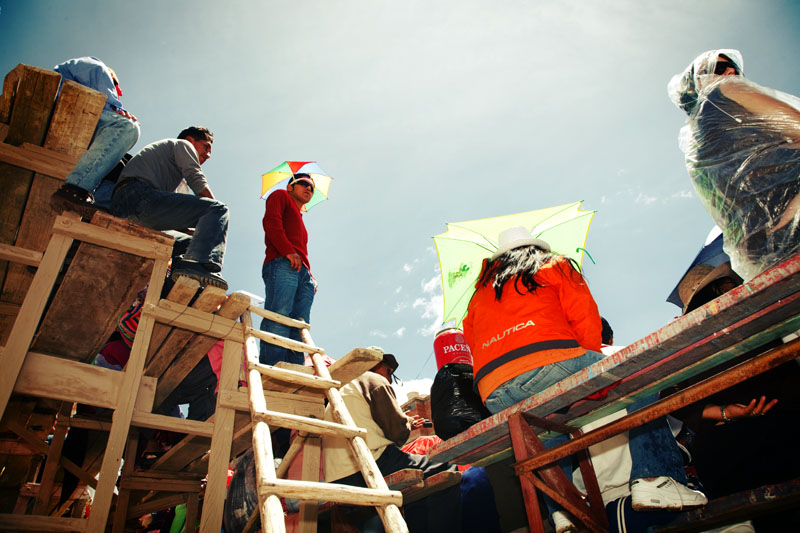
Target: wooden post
x,y
42,505
211,519
125,404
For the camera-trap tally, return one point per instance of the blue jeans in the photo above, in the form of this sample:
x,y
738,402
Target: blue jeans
x,y
654,451
113,136
289,293
160,210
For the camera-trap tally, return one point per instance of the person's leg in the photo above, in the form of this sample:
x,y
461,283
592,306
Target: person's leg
x,y
280,288
210,235
304,297
113,136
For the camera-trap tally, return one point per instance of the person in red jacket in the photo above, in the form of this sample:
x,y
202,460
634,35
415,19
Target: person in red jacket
x,y
289,286
533,322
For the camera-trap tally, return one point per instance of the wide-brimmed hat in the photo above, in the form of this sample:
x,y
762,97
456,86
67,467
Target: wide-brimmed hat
x,y
388,359
699,277
516,237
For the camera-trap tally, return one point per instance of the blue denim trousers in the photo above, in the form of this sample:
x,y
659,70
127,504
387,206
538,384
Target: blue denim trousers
x,y
654,451
113,137
290,293
160,210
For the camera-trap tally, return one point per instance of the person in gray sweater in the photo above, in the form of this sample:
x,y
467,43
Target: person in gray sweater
x,y
147,193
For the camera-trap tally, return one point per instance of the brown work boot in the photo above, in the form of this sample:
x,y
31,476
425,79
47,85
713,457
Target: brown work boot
x,y
73,198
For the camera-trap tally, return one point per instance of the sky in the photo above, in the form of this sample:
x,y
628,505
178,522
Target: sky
x,y
427,112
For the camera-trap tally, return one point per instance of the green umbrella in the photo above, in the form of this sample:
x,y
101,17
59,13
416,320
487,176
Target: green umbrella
x,y
464,246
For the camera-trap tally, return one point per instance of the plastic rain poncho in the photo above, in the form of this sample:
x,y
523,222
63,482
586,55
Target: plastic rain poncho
x,y
742,146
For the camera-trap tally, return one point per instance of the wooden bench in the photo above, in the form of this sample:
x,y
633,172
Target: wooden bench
x,y
762,310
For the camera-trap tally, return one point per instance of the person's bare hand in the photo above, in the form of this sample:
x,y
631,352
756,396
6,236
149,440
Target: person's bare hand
x,y
295,260
125,114
754,408
416,421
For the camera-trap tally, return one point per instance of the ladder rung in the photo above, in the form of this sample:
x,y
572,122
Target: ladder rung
x,y
276,317
333,492
283,341
293,376
311,425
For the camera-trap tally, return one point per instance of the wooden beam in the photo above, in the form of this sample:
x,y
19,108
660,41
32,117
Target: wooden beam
x,y
284,341
19,522
297,378
20,255
169,423
181,316
28,157
334,492
109,238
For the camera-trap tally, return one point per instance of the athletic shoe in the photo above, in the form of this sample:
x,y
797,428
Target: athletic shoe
x,y
741,527
196,271
563,523
649,494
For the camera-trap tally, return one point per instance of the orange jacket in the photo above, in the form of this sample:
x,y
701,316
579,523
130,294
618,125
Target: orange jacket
x,y
558,321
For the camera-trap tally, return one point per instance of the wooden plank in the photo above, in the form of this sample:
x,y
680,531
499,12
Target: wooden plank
x,y
125,404
18,522
45,376
182,293
20,255
115,278
169,423
744,311
53,458
71,129
13,355
28,157
275,317
152,506
284,342
163,485
10,83
211,519
208,301
181,316
104,231
198,347
355,363
308,406
433,484
402,479
28,99
123,500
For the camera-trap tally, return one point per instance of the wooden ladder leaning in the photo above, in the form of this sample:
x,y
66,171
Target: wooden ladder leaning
x,y
270,487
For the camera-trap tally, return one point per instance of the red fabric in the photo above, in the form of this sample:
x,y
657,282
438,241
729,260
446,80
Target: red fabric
x,y
422,444
284,230
562,308
215,359
116,352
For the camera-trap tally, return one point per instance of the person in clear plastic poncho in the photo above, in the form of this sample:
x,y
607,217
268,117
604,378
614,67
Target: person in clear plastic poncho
x,y
742,146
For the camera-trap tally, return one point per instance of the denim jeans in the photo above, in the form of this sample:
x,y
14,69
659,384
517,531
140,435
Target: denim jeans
x,y
113,136
289,293
160,210
654,451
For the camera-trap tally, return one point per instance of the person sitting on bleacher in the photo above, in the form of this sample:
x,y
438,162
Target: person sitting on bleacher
x,y
371,401
533,322
116,133
146,194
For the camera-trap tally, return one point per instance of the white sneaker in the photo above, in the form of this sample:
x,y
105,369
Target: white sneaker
x,y
563,523
663,492
741,527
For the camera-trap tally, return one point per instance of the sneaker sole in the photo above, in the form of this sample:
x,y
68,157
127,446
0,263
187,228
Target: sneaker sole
x,y
203,280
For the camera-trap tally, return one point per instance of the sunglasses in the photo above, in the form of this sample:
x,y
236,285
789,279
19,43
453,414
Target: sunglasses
x,y
304,184
722,66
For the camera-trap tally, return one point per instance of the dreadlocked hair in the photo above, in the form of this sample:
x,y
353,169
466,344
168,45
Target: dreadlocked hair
x,y
520,264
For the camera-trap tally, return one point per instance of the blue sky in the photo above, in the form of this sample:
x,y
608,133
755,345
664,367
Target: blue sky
x,y
427,112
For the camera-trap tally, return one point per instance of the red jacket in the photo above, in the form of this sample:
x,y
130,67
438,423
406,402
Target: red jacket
x,y
558,321
284,230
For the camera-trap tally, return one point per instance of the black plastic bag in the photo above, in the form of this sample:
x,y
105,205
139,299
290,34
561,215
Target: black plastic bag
x,y
242,498
455,405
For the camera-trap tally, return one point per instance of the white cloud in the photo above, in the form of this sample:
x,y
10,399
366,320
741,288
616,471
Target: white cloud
x,y
645,199
407,267
398,290
683,194
432,285
431,310
400,332
603,199
378,333
419,386
400,306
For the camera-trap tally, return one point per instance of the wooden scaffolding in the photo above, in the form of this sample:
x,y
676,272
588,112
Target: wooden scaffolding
x,y
64,284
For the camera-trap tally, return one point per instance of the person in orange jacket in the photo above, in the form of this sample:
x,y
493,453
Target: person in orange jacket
x,y
533,322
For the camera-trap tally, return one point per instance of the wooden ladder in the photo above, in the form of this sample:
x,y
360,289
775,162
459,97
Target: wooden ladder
x,y
270,487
